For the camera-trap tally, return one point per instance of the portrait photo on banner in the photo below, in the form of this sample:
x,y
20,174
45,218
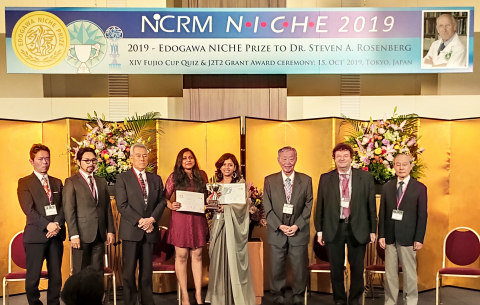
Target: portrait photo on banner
x,y
445,43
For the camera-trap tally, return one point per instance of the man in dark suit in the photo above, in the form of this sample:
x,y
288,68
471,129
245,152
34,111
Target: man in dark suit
x,y
401,229
140,200
288,200
40,197
346,214
88,213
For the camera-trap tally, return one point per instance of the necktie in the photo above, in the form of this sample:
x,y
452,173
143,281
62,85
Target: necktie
x,y
288,189
46,188
142,184
442,46
345,194
92,187
400,190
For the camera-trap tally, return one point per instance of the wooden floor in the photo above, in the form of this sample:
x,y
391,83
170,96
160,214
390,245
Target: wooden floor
x,y
451,296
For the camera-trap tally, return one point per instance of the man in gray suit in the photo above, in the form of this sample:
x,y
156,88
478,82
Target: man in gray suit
x,y
288,200
88,213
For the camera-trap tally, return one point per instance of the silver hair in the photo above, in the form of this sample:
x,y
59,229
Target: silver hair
x,y
141,145
452,19
287,148
403,154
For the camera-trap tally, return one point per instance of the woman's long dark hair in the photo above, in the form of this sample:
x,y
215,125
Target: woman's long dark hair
x,y
218,173
180,178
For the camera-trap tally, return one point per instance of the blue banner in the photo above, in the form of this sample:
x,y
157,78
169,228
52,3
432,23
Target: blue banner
x,y
239,41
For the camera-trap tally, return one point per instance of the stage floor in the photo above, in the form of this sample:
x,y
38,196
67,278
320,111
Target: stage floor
x,y
451,296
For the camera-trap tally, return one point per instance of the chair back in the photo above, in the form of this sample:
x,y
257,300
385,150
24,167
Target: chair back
x,y
162,251
16,252
320,251
461,246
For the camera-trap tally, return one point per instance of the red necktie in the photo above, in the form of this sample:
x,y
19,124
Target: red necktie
x,y
92,187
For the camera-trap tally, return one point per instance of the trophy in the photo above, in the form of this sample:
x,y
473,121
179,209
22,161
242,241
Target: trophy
x,y
214,188
83,53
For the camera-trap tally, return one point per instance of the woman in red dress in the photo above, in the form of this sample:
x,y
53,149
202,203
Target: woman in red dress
x,y
188,231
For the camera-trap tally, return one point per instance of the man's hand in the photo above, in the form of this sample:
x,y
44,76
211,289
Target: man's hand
x,y
149,229
110,238
145,223
291,230
53,229
381,242
372,237
428,61
284,228
320,240
417,246
75,243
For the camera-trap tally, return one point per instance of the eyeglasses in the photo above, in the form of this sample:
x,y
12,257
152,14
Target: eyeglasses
x,y
94,161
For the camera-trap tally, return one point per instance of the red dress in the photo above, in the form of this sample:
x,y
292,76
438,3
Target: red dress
x,y
187,230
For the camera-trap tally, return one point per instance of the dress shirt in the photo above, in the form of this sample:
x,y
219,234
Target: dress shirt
x,y
40,177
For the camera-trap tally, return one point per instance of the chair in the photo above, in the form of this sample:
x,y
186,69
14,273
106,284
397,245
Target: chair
x,y
372,270
16,252
162,252
462,248
107,273
324,266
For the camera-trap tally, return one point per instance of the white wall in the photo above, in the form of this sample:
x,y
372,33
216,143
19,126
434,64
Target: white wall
x,y
430,106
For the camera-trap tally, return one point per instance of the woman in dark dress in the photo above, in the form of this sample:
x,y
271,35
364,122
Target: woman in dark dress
x,y
188,231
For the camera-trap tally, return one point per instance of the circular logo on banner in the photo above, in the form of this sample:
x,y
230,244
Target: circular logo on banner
x,y
87,45
40,40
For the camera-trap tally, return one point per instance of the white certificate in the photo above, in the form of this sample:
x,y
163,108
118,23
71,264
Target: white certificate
x,y
190,201
233,193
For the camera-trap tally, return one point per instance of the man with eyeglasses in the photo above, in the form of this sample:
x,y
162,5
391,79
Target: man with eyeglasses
x,y
88,213
40,196
401,229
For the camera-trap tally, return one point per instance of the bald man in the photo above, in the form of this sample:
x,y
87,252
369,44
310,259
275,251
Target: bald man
x,y
448,51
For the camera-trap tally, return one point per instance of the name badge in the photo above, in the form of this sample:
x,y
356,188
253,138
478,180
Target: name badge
x,y
51,210
345,202
288,208
397,215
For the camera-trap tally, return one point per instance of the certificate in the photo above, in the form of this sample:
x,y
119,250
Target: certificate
x,y
233,193
190,201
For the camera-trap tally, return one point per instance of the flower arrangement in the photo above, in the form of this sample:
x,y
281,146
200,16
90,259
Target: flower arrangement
x,y
112,142
375,145
257,210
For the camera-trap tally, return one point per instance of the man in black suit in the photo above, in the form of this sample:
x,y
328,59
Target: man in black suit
x,y
40,197
88,213
140,200
346,214
401,229
288,198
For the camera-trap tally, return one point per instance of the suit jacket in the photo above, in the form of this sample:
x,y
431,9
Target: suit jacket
x,y
274,198
363,208
413,225
84,215
130,204
33,199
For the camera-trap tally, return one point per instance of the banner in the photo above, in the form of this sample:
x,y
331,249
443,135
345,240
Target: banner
x,y
239,41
